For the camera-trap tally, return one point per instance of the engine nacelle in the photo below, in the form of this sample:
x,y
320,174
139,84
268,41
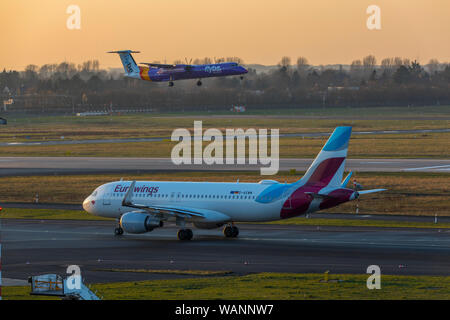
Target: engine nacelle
x,y
208,225
138,222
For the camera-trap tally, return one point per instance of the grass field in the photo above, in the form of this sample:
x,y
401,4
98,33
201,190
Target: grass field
x,y
409,193
430,145
277,286
31,128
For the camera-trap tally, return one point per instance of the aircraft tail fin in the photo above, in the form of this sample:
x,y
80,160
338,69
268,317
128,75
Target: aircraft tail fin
x,y
328,167
129,64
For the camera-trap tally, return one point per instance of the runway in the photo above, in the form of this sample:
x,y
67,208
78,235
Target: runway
x,y
47,246
90,165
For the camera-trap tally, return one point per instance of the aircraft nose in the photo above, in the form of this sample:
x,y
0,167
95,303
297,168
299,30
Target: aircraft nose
x,y
88,203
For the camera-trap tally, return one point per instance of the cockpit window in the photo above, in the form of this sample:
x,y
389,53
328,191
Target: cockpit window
x,y
94,193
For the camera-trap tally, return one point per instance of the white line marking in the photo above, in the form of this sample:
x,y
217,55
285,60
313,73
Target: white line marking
x,y
424,168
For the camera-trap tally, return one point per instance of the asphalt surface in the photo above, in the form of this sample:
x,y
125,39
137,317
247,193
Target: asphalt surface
x,y
90,165
155,139
33,247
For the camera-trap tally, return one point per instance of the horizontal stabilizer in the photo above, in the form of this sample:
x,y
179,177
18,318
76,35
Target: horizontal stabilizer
x,y
371,191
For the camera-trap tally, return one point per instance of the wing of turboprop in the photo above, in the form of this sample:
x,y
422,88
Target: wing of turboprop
x,y
371,191
174,211
160,65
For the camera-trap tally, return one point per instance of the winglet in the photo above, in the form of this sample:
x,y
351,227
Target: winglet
x,y
127,199
347,179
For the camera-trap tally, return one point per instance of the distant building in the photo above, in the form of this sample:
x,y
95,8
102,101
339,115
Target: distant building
x,y
238,109
334,89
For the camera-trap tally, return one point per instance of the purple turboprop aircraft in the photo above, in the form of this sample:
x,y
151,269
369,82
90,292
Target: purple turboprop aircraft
x,y
172,72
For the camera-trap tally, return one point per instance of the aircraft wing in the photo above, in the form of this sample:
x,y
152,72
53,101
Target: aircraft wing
x,y
370,191
174,211
160,65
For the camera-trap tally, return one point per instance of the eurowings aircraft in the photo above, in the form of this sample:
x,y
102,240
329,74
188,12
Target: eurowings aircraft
x,y
144,206
172,72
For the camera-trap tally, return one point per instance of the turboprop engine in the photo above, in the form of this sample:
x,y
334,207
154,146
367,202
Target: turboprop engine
x,y
139,222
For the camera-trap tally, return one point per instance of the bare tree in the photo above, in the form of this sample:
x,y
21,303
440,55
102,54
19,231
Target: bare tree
x,y
285,62
234,59
398,62
433,66
369,62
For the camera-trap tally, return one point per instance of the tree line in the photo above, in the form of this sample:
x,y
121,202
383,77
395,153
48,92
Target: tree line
x,y
68,88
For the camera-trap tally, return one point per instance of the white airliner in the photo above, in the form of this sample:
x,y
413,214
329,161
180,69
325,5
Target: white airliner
x,y
145,205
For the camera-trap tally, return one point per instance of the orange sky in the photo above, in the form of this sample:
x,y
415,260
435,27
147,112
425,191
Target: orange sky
x,y
258,31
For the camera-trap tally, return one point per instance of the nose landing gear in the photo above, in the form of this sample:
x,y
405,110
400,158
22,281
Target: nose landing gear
x,y
170,83
199,83
185,234
118,231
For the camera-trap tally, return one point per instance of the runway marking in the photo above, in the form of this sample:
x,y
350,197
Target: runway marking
x,y
378,162
425,168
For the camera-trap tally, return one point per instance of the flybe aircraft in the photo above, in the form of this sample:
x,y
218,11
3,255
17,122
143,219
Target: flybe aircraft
x,y
171,72
145,205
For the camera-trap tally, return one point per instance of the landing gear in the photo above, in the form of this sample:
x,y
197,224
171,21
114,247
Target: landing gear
x,y
118,231
231,231
185,234
199,83
170,83
241,77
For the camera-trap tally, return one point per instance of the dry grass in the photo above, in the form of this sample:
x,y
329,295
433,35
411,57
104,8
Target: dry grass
x,y
436,145
149,125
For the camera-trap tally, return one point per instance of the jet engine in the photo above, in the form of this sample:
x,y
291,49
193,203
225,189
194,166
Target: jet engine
x,y
208,225
139,222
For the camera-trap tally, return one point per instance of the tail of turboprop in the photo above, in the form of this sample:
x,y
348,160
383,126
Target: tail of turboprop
x,y
328,167
130,66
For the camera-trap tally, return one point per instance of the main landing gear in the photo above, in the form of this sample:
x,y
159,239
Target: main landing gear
x,y
185,234
231,231
199,83
118,231
170,83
